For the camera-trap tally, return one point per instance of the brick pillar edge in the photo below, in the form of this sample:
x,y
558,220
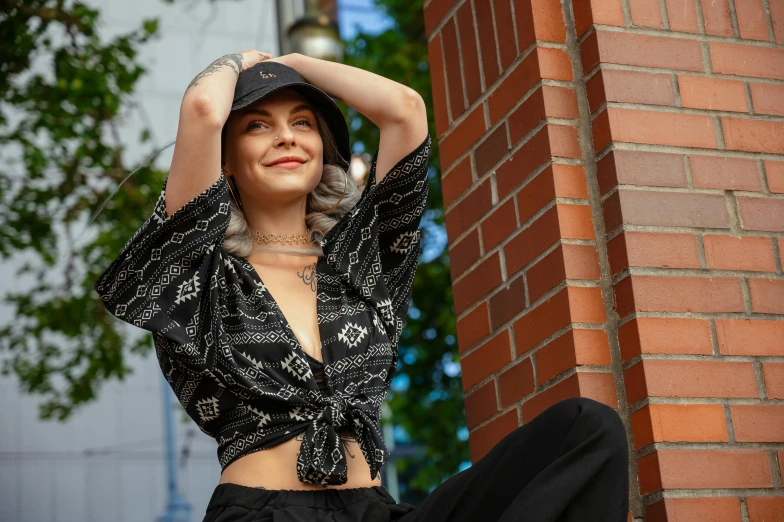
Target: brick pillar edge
x,y
613,181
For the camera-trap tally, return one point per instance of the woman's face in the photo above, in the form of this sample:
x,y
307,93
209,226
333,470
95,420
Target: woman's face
x,y
252,153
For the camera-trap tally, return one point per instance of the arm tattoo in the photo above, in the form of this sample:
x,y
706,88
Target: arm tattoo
x,y
226,60
308,276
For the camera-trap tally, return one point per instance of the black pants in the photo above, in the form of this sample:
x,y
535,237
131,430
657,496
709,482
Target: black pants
x,y
568,464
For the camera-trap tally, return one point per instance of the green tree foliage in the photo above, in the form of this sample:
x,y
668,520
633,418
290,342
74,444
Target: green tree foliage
x,y
64,157
58,133
431,408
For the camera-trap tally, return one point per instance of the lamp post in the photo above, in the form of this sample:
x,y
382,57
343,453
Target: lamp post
x,y
178,509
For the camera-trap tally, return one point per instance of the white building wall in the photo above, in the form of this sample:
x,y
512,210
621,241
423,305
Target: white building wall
x,y
107,462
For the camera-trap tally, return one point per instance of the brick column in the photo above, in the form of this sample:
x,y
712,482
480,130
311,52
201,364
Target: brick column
x,y
613,180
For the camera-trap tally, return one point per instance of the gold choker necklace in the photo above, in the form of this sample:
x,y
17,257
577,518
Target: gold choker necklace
x,y
286,239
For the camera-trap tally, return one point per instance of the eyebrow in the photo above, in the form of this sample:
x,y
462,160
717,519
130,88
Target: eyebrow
x,y
262,112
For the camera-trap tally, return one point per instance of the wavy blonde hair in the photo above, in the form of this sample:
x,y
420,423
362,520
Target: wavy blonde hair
x,y
328,192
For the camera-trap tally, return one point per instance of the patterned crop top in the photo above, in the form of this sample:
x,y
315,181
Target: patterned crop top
x,y
230,355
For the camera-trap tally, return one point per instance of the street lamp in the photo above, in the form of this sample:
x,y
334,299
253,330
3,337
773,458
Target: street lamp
x,y
316,34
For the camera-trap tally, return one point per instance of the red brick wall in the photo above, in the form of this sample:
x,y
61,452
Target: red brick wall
x,y
613,179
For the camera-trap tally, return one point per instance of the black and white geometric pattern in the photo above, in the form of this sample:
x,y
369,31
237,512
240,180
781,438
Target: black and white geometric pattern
x,y
227,350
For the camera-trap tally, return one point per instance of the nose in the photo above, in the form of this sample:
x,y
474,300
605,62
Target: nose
x,y
285,138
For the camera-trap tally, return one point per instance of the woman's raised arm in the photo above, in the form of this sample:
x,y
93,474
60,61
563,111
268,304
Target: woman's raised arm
x,y
397,110
205,108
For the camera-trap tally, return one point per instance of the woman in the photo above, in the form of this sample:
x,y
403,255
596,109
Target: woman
x,y
276,292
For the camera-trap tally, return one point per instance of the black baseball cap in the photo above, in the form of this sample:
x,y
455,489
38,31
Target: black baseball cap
x,y
265,78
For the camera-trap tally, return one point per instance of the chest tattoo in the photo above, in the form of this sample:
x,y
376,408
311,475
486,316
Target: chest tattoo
x,y
308,276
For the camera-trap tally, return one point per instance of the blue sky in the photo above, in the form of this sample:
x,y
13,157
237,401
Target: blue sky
x,y
362,13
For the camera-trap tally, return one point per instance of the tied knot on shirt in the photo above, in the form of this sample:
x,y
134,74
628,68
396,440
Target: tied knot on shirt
x,y
321,458
335,412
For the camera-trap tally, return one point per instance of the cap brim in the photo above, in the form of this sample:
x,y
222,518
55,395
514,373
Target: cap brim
x,y
323,102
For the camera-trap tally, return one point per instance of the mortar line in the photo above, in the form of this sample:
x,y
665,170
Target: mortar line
x,y
749,99
730,426
769,21
760,378
763,174
734,18
664,15
625,9
689,175
482,80
776,255
709,493
744,510
732,213
709,446
441,23
512,344
692,36
495,38
585,137
482,251
714,337
696,273
676,90
700,18
718,130
502,262
687,190
745,291
450,119
664,70
463,82
701,251
514,27
775,467
756,401
670,109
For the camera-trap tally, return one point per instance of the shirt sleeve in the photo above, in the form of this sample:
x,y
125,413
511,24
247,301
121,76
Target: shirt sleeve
x,y
375,246
166,277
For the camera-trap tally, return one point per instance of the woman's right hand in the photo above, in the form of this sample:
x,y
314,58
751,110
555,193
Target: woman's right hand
x,y
204,111
253,56
228,62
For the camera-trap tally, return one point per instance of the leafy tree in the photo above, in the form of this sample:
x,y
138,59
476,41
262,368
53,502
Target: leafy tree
x,y
62,344
63,127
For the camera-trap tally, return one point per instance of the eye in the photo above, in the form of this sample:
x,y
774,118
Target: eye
x,y
257,124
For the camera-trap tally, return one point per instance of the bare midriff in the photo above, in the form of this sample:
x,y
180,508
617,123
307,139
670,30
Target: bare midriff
x,y
276,468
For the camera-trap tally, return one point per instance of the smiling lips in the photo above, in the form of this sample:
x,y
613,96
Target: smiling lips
x,y
287,162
